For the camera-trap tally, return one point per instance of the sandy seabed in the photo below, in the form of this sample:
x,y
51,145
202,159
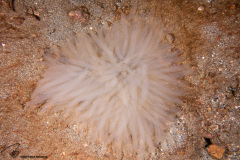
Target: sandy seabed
x,y
206,32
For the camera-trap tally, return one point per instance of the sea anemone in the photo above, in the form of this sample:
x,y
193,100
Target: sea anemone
x,y
121,81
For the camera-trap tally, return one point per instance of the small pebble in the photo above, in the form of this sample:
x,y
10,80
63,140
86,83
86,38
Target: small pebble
x,y
170,38
233,6
17,20
201,8
80,13
216,151
36,13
